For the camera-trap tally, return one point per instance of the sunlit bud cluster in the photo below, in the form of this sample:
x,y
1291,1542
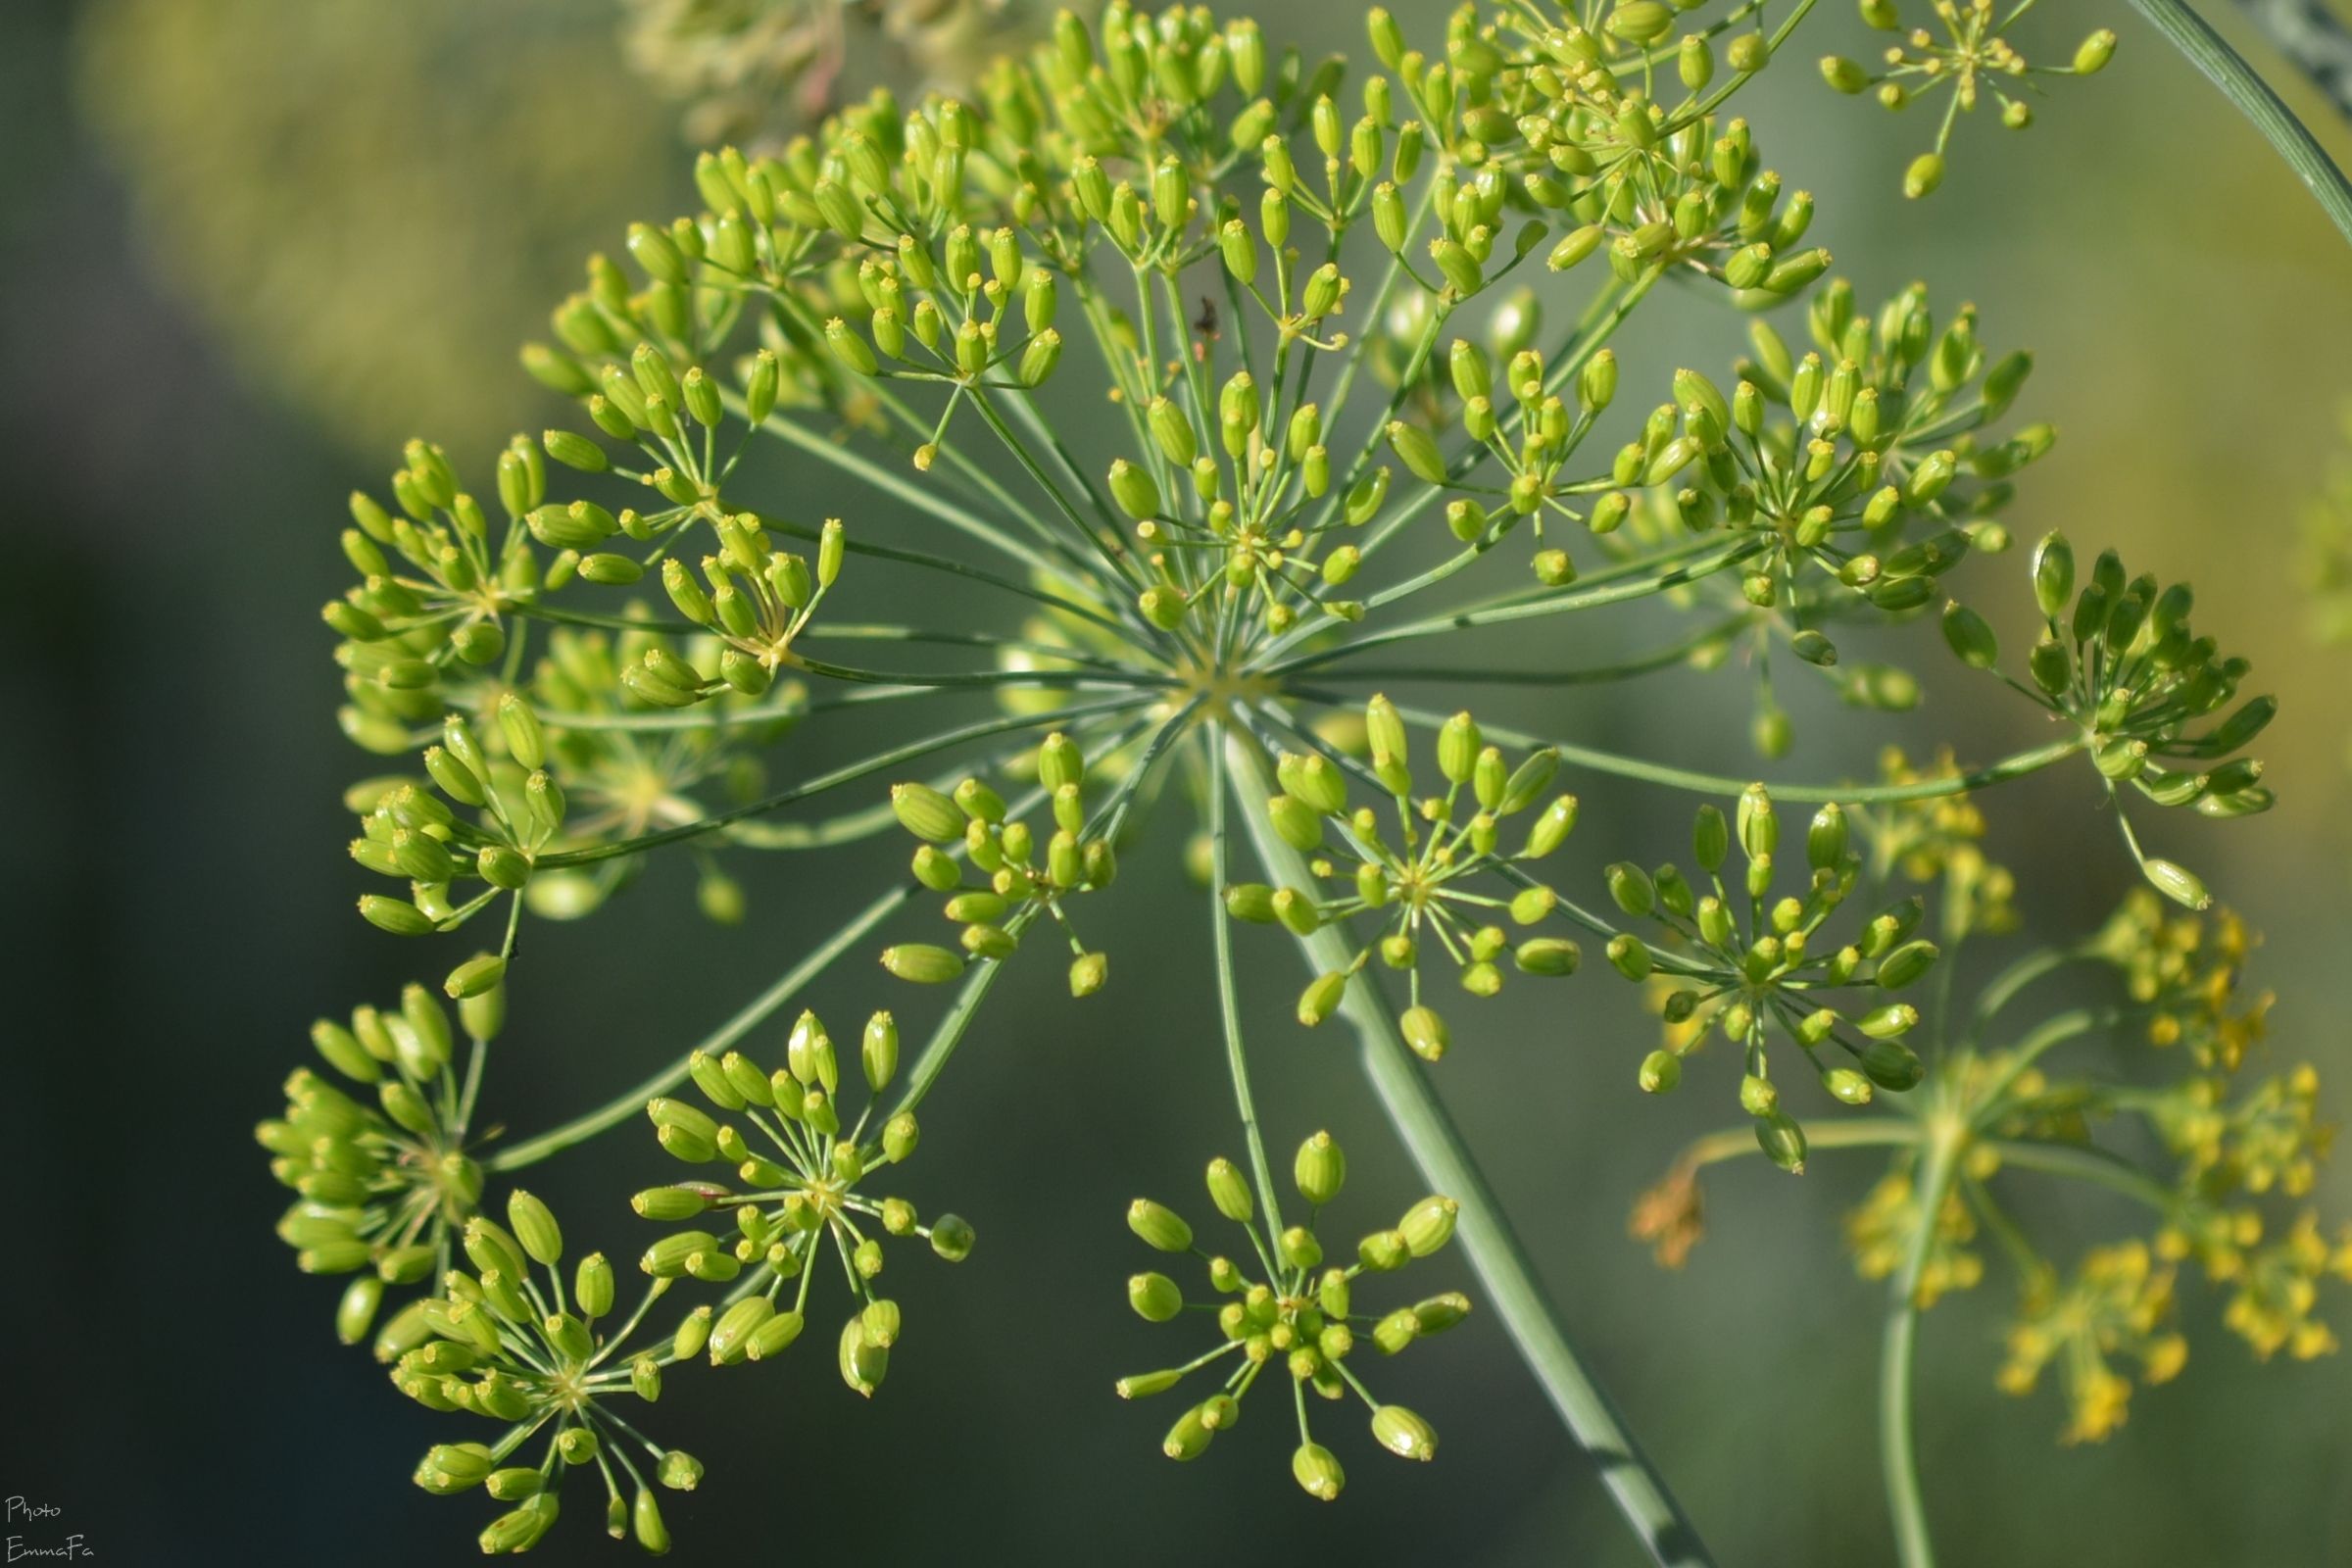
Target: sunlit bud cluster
x,y
2119,660
1970,58
802,1175
1289,1307
1435,870
541,1361
1738,962
2118,1306
382,1171
996,876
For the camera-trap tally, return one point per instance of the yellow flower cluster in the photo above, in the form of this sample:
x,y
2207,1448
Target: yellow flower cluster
x,y
2189,969
2267,1139
2278,1287
1939,839
1882,1231
2116,1307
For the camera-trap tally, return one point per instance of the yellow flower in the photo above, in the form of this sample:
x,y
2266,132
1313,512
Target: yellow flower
x,y
2279,1290
1938,838
1882,1231
2116,1307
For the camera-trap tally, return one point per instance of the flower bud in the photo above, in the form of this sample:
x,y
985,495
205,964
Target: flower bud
x,y
1320,1169
1428,1225
1156,1297
1314,1465
1160,1226
1229,1190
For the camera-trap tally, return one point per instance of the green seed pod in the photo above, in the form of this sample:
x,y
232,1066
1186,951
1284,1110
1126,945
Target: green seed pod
x,y
1156,1297
1889,1022
1550,829
1134,490
1923,177
922,964
1189,1438
593,1285
1547,956
1088,972
1239,249
773,1337
1425,1032
951,1237
1314,1465
1419,453
2175,883
1402,1433
1575,246
862,1363
878,1051
1296,823
1321,999
2093,53
1906,965
514,1484
1389,220
1173,430
534,1226
927,814
1160,1226
1846,1086
1631,888
1323,291
1229,1190
1661,1071
1320,1169
477,975
1629,956
1428,1225
1146,1384
1891,1064
1782,1141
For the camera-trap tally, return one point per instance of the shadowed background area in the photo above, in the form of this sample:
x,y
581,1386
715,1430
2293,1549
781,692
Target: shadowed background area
x,y
249,245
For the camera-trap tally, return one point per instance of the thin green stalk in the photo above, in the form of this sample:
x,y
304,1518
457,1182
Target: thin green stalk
x,y
1589,675
2243,86
1445,1161
839,776
1898,1455
1513,609
1227,998
2085,1162
2008,768
897,485
752,1014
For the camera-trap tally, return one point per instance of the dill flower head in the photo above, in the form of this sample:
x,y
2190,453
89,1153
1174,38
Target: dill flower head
x,y
1331,429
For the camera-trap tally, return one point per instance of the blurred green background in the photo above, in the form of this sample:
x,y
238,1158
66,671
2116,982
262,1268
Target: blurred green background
x,y
248,245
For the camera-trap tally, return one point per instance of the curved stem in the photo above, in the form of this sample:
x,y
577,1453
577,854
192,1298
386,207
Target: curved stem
x,y
2243,86
2312,39
1503,1267
1899,1457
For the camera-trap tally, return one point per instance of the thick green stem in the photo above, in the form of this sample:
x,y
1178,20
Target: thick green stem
x,y
1503,1267
2243,86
